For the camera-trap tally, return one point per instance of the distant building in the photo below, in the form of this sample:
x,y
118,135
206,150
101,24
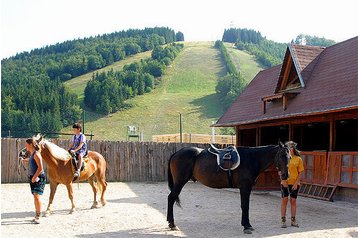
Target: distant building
x,y
312,99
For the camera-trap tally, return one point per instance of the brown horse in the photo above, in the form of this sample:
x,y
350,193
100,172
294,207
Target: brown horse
x,y
201,165
60,171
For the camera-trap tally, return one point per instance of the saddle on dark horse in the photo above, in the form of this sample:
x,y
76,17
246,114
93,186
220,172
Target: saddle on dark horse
x,y
227,159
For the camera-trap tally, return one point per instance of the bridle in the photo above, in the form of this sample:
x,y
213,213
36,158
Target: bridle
x,y
21,157
281,152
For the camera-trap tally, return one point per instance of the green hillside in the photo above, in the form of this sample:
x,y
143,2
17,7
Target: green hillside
x,y
188,87
244,62
78,84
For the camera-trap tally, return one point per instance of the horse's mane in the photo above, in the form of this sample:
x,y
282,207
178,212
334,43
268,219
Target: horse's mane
x,y
56,151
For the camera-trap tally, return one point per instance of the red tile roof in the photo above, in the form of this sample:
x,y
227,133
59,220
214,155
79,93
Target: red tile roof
x,y
330,76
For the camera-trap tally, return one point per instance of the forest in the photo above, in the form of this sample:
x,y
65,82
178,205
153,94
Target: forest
x,y
34,97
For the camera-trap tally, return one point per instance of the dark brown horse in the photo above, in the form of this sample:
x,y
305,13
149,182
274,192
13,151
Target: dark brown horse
x,y
201,165
60,171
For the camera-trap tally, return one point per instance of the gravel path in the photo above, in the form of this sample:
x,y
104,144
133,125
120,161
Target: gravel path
x,y
139,210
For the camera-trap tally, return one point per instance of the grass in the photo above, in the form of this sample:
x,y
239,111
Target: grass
x,y
244,62
78,84
188,87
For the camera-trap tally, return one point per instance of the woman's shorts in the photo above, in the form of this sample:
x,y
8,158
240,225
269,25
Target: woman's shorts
x,y
289,191
39,186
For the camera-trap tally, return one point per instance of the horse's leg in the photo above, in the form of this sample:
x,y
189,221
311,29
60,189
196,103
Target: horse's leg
x,y
172,198
94,189
102,182
70,196
245,203
53,188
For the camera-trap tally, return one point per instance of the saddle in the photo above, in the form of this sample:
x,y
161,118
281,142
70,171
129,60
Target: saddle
x,y
75,162
227,159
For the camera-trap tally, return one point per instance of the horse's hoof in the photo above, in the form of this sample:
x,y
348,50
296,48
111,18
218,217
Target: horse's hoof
x,y
173,227
47,214
72,211
103,204
248,231
94,206
250,228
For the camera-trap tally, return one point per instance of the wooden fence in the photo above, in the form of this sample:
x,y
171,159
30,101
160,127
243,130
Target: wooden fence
x,y
195,138
126,161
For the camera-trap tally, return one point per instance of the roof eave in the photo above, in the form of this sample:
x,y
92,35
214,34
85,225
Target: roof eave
x,y
296,65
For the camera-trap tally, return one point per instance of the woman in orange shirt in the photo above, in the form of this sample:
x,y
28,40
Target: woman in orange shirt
x,y
291,186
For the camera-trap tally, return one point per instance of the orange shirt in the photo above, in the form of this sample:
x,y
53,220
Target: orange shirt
x,y
295,166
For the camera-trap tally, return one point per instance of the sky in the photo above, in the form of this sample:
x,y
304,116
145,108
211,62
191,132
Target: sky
x,y
30,24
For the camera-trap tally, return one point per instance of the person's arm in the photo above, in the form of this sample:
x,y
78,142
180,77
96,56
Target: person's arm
x,y
300,169
72,142
297,182
38,160
283,182
79,147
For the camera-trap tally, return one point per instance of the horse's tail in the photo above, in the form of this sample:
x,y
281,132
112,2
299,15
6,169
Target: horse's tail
x,y
171,182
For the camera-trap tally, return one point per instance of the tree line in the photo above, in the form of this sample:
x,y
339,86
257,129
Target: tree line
x,y
106,92
268,53
34,97
232,84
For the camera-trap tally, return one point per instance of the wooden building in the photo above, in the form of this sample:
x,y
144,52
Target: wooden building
x,y
312,99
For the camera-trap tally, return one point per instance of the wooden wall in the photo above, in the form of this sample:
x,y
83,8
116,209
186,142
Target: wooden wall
x,y
126,161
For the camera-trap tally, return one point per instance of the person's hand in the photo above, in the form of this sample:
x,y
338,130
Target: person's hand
x,y
33,180
294,187
284,183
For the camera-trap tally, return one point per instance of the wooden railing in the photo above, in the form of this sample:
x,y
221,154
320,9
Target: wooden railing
x,y
195,138
333,168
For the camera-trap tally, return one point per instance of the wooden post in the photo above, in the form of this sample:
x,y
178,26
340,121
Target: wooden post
x,y
332,134
290,132
264,107
258,136
284,102
238,139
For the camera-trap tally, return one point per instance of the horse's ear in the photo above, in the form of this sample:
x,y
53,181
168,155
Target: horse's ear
x,y
280,143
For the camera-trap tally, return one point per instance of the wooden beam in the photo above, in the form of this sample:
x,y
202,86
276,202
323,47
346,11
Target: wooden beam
x,y
286,72
258,136
284,102
264,107
238,136
332,134
290,132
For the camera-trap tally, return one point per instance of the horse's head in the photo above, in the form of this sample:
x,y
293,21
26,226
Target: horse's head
x,y
281,160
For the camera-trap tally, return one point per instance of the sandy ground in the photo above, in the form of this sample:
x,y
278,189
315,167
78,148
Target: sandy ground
x,y
139,210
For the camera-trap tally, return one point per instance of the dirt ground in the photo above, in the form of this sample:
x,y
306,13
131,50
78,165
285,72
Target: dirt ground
x,y
139,210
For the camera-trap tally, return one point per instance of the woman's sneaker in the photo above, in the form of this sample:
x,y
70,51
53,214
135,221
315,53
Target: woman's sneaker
x,y
283,222
77,174
36,219
294,222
